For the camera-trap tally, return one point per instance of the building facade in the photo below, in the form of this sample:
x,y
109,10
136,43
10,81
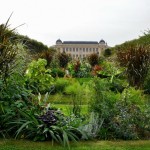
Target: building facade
x,y
81,49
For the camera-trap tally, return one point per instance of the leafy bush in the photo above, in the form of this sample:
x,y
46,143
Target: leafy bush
x,y
103,98
147,83
61,84
73,88
85,70
130,122
79,94
123,116
107,52
38,78
131,115
79,69
109,69
42,122
118,85
83,80
15,89
57,72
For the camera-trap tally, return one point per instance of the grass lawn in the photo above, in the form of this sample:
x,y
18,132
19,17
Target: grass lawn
x,y
88,145
60,98
67,109
64,102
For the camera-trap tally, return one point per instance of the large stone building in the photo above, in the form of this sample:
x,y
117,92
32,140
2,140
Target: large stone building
x,y
81,49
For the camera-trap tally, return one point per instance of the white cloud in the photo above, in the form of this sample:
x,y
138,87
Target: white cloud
x,y
46,20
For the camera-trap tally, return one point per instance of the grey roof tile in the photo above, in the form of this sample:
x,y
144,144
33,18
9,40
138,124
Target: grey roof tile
x,y
80,42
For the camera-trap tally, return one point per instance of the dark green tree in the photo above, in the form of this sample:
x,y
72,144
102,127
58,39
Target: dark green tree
x,y
107,52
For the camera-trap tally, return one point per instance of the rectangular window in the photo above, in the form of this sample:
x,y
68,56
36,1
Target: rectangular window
x,y
83,49
93,49
70,49
64,49
76,49
86,49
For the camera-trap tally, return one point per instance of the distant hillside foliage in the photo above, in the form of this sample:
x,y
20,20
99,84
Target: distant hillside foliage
x,y
142,40
33,45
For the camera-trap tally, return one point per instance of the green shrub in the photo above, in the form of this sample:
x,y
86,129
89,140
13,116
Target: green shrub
x,y
130,122
38,78
146,85
15,89
131,115
109,69
107,52
80,94
39,122
60,84
123,115
83,80
103,98
118,84
79,69
72,89
57,72
85,70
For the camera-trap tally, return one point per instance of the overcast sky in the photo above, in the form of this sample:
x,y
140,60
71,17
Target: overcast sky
x,y
115,21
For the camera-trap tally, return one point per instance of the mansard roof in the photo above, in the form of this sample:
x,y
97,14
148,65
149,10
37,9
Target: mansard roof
x,y
80,42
